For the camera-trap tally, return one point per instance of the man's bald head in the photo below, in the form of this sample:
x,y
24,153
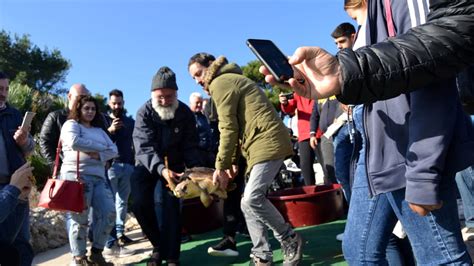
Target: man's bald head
x,y
75,91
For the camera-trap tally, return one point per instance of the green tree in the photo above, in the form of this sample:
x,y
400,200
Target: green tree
x,y
251,71
26,63
25,99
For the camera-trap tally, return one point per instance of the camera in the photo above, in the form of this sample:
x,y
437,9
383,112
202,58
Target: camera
x,y
288,96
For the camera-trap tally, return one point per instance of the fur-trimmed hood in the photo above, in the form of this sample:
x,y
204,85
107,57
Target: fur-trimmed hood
x,y
218,67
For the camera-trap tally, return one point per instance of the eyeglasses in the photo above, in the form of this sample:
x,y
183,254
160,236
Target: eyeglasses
x,y
166,97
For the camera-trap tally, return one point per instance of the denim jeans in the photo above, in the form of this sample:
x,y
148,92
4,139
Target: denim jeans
x,y
342,159
435,239
259,212
15,231
465,183
98,196
119,176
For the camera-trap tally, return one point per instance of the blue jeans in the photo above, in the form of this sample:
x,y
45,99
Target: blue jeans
x,y
260,214
119,176
98,196
15,231
435,239
342,159
465,183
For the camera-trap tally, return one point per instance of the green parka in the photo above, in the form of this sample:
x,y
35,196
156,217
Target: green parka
x,y
245,115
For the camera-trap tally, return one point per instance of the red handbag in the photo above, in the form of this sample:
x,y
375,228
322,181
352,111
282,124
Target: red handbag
x,y
63,195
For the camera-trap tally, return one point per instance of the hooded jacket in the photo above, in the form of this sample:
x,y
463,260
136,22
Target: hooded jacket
x,y
416,140
245,114
436,50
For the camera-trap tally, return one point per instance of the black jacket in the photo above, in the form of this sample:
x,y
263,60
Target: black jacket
x,y
10,120
50,132
154,139
416,137
430,52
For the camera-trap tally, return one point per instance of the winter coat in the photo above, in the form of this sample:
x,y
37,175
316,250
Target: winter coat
x,y
416,140
154,139
10,120
436,50
50,132
245,114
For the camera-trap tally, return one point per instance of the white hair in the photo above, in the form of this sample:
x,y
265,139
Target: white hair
x,y
194,95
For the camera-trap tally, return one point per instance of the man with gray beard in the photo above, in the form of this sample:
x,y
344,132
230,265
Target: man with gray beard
x,y
165,141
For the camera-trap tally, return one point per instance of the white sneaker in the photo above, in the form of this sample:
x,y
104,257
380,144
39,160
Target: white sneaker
x,y
116,251
339,237
292,167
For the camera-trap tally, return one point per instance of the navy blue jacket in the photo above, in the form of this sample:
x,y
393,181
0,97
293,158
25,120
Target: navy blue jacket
x,y
123,139
204,132
154,139
416,140
10,120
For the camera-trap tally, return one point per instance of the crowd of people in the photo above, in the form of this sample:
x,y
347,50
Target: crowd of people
x,y
383,118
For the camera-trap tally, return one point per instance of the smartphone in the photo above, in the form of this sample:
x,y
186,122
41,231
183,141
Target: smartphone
x,y
289,96
275,61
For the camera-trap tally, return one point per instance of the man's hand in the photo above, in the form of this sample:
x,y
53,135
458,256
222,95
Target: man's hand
x,y
283,99
318,68
221,178
22,179
171,177
20,137
423,210
313,142
117,124
232,172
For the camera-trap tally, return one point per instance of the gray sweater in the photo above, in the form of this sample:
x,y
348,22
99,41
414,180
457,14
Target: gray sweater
x,y
76,137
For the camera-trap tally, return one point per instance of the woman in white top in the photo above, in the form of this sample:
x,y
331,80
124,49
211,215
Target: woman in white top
x,y
82,133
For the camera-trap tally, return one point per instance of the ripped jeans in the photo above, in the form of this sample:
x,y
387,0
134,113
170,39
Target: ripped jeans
x,y
97,195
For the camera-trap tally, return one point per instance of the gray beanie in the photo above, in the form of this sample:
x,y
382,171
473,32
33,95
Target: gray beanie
x,y
164,79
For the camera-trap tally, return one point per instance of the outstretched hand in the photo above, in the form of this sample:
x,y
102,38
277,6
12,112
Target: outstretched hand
x,y
318,68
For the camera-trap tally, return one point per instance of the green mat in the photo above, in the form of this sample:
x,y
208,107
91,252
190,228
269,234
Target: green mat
x,y
321,247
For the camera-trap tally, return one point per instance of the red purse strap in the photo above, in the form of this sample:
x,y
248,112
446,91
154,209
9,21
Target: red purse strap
x,y
389,18
56,162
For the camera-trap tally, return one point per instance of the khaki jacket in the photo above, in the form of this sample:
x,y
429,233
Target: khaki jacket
x,y
245,115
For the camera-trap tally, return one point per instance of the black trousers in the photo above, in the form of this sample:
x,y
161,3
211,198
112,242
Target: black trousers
x,y
164,232
307,158
233,216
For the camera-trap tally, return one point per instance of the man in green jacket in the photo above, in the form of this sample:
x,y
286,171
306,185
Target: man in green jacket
x,y
248,120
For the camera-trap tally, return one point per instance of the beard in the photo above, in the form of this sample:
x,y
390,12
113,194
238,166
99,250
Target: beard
x,y
165,112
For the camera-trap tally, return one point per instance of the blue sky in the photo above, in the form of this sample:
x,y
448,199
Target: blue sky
x,y
122,43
